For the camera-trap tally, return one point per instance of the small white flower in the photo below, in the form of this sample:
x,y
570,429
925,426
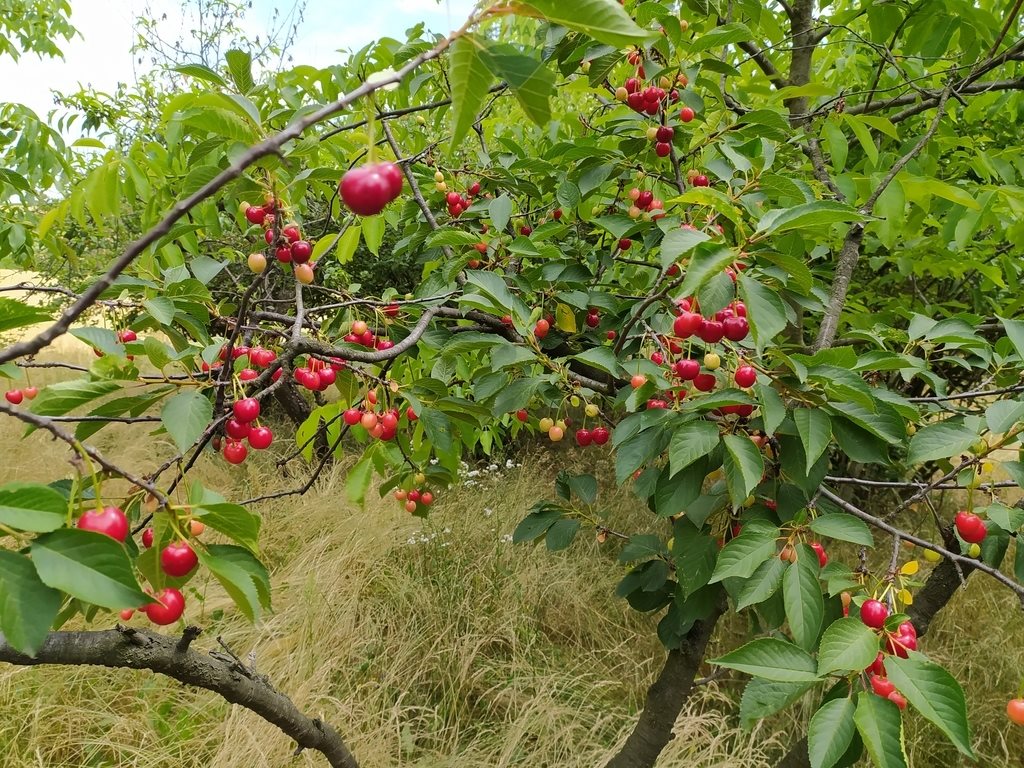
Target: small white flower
x,y
507,538
488,512
382,75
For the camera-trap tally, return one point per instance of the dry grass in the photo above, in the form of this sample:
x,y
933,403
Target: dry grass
x,y
435,644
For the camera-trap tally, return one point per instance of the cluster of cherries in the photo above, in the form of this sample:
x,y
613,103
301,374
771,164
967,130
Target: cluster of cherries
x,y
410,500
361,334
288,245
16,396
316,375
555,430
643,201
457,204
368,189
874,613
177,559
241,427
382,425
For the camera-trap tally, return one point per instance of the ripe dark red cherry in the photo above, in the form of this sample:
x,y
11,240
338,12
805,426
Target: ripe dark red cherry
x,y
711,331
301,251
127,335
686,114
522,415
110,521
236,430
882,685
819,550
247,410
687,324
352,416
970,527
736,328
368,189
687,370
666,133
644,199
255,214
584,437
600,435
147,538
291,234
874,613
178,559
541,329
662,149
746,376
705,382
625,243
261,438
700,180
14,396
235,451
168,608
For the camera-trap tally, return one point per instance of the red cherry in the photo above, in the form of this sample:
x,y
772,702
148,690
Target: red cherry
x,y
260,438
970,527
662,149
301,251
584,437
711,331
1015,711
427,498
474,188
700,180
14,396
235,451
665,133
255,214
556,214
705,382
610,335
248,374
600,435
624,244
30,392
237,430
736,328
126,614
881,685
897,699
147,538
368,189
541,329
687,324
247,410
644,199
168,608
110,521
745,376
874,613
270,236
410,414
352,416
178,559
877,667
593,319
687,370
820,551
126,336
522,415
291,234
686,114
414,495
327,377
526,230
657,358
637,381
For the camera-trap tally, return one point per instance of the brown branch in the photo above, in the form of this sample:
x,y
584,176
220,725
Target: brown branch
x,y
124,648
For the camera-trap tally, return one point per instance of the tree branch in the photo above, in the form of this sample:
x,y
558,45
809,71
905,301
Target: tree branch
x,y
124,648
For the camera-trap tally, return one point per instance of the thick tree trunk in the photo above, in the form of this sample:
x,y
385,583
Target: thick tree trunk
x,y
134,649
665,699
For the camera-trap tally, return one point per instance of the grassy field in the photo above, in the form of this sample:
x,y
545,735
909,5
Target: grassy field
x,y
438,644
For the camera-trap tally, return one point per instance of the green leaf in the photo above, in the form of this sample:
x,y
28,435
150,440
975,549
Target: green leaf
x,y
235,579
880,727
248,563
438,429
530,79
90,566
17,314
535,525
830,732
936,694
690,442
940,441
848,645
735,32
201,72
161,308
568,195
762,584
561,534
815,430
679,242
765,311
358,482
240,68
763,698
500,211
703,266
743,555
470,80
642,547
604,20
807,215
743,467
1010,519
62,398
843,527
348,241
373,232
27,606
801,594
1014,332
233,520
32,507
771,659
773,410
885,422
185,416
1003,414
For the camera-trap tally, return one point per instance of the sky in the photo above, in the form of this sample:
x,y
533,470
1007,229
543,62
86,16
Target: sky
x,y
101,56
